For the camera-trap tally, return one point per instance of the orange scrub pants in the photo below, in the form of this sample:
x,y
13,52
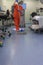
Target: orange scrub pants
x,y
16,23
16,16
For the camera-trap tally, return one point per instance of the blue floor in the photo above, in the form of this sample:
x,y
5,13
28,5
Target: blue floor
x,y
22,49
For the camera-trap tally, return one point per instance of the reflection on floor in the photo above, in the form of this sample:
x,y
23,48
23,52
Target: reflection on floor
x,y
22,49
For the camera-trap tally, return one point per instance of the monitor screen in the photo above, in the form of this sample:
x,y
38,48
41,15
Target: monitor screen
x,y
24,6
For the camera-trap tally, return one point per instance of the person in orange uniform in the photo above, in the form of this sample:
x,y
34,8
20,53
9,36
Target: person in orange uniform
x,y
16,15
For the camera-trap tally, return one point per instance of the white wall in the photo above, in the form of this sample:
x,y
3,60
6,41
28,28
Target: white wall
x,y
0,3
7,4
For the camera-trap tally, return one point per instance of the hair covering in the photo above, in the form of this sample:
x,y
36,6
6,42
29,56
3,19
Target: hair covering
x,y
16,3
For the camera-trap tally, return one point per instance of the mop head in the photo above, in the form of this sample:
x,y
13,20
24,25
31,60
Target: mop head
x,y
21,30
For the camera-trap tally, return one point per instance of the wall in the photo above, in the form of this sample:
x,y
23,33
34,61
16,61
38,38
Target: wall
x,y
0,3
7,4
